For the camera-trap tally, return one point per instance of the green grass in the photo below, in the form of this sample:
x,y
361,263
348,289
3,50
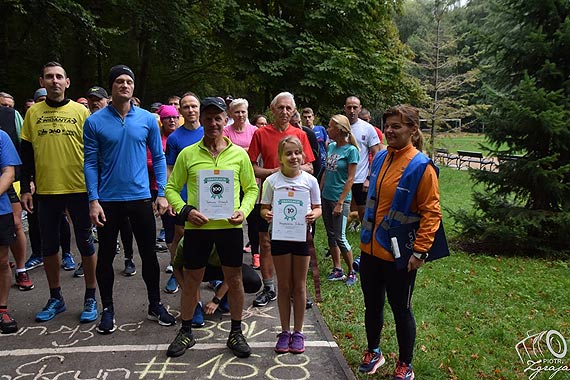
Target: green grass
x,y
470,311
459,141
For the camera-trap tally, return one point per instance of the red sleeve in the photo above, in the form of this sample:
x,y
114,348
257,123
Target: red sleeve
x,y
255,146
379,133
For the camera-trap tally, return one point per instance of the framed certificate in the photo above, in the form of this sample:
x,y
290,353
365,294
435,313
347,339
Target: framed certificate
x,y
216,193
289,211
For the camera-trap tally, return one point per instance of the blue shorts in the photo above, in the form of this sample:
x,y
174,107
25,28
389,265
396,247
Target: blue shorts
x,y
50,208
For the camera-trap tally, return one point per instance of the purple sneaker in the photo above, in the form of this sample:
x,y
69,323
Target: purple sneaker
x,y
282,345
297,344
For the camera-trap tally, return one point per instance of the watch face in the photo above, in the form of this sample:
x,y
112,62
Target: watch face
x,y
216,300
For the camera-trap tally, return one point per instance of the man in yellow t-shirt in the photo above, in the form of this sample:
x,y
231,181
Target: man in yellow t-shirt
x,y
52,157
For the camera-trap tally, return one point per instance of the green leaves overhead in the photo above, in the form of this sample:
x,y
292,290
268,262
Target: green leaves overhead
x,y
320,50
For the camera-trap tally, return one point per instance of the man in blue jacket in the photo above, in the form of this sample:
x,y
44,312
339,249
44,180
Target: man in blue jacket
x,y
116,139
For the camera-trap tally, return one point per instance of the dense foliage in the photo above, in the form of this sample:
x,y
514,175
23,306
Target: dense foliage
x,y
525,204
321,50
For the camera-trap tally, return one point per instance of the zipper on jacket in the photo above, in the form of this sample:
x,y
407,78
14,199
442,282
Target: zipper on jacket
x,y
390,159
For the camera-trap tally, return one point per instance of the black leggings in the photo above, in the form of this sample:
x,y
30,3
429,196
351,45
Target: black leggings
x,y
379,278
143,224
127,238
253,228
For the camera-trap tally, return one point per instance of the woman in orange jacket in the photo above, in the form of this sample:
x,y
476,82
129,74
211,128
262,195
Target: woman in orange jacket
x,y
403,189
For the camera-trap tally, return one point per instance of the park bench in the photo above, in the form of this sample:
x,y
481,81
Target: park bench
x,y
466,157
502,157
443,156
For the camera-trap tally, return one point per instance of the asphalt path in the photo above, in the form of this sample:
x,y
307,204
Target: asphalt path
x,y
64,349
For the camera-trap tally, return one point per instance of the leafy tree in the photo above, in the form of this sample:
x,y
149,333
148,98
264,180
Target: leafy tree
x,y
430,29
321,50
525,204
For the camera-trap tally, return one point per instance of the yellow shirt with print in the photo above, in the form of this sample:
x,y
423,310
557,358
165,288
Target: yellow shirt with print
x,y
56,134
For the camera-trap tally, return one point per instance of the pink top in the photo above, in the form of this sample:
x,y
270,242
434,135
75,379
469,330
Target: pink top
x,y
152,179
241,138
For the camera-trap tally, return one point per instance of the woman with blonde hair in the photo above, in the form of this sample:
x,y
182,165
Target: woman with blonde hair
x,y
340,169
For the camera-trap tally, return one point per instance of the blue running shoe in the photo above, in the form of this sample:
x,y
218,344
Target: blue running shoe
x,y
351,279
50,310
336,274
198,318
172,285
161,236
161,315
130,268
107,323
79,272
371,361
34,262
67,262
89,313
224,305
214,284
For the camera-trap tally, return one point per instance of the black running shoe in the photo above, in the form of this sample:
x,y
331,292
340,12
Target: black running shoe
x,y
183,341
7,324
264,297
238,344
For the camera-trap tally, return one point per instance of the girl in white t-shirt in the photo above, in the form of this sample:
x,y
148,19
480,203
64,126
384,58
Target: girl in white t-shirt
x,y
291,257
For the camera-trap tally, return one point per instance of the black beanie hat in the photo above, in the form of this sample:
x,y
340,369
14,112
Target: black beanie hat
x,y
117,71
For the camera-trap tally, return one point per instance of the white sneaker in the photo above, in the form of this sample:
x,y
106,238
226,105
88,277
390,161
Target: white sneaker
x,y
169,268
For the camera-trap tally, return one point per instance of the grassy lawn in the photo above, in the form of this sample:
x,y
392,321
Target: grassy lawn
x,y
461,141
470,311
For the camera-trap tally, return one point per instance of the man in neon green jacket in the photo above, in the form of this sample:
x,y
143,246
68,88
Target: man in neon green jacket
x,y
212,154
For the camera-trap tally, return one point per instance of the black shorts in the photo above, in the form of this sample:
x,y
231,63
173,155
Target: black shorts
x,y
7,229
198,247
358,194
296,248
12,195
50,208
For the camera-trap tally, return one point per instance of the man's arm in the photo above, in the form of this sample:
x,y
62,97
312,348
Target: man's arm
x,y
7,178
91,160
374,149
262,173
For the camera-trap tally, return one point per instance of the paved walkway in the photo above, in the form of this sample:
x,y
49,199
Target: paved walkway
x,y
64,349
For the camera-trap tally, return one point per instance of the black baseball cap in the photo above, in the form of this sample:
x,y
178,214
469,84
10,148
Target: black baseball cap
x,y
213,102
155,106
98,92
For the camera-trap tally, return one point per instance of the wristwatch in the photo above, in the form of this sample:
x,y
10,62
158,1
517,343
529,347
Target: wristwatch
x,y
216,300
421,255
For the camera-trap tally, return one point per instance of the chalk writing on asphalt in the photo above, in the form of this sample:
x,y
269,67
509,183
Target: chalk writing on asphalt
x,y
285,367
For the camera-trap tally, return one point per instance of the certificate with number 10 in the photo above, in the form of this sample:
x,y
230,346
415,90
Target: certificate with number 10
x,y
289,211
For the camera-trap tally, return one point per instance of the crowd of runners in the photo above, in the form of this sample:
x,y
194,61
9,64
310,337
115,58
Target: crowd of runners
x,y
103,165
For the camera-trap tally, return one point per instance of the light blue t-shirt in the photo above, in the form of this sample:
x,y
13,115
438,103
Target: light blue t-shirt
x,y
8,157
338,159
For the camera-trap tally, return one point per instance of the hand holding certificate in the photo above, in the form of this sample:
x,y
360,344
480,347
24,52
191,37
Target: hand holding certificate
x,y
289,210
216,191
